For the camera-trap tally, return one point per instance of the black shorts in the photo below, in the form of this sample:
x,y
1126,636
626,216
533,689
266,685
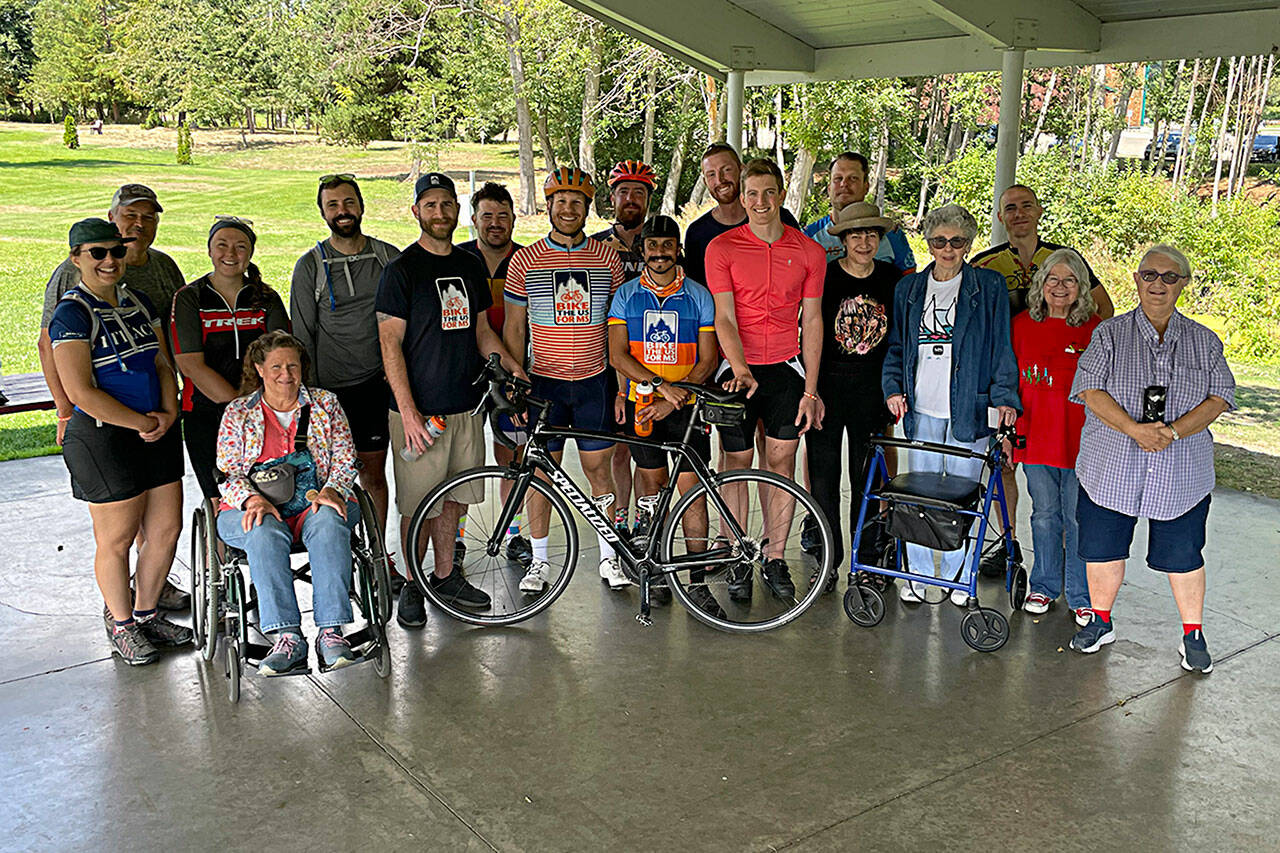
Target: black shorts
x,y
580,404
776,402
1174,546
367,405
670,428
110,463
200,435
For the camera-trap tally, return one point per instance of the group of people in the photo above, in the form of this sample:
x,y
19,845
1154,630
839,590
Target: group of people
x,y
829,332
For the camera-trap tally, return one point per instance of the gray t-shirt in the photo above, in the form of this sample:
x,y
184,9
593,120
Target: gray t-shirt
x,y
340,329
158,279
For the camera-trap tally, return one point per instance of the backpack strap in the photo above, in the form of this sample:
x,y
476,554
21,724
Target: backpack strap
x,y
322,271
304,421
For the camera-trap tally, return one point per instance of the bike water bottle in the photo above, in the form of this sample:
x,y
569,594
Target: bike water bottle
x,y
435,428
644,399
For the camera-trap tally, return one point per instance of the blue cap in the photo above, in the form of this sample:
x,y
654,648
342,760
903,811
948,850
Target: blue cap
x,y
433,181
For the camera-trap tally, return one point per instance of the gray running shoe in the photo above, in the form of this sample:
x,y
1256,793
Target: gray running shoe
x,y
132,645
334,649
1195,653
164,634
1093,636
288,654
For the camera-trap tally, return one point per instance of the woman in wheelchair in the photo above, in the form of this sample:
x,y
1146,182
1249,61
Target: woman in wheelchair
x,y
289,464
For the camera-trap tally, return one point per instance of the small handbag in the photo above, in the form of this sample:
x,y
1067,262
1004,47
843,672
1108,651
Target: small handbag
x,y
286,480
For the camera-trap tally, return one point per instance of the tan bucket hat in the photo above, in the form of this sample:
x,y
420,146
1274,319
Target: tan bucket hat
x,y
860,214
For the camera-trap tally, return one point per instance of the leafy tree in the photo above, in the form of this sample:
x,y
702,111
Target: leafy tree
x,y
17,54
75,48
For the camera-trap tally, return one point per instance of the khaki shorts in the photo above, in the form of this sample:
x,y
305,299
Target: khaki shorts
x,y
461,447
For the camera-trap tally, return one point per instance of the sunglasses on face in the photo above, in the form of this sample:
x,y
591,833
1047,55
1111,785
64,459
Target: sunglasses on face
x,y
1167,277
333,179
941,242
100,252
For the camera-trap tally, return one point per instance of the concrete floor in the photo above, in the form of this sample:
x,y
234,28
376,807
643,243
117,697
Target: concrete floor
x,y
582,730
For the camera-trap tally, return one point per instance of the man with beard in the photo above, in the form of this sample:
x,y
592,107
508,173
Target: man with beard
x,y
331,305
434,337
848,184
494,218
722,173
631,183
558,292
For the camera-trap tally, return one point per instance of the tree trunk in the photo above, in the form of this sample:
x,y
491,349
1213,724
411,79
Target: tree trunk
x,y
544,142
1204,112
673,175
249,123
882,163
1044,109
650,108
1122,109
1245,79
713,111
1086,140
801,181
1257,116
527,200
1180,156
590,100
777,129
1220,137
931,134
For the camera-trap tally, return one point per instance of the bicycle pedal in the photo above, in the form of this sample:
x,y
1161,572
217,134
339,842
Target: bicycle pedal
x,y
644,620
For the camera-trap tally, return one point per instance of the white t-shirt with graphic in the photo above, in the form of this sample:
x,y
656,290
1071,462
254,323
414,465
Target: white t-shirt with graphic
x,y
933,366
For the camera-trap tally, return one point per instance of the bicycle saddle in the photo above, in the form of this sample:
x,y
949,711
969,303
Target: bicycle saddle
x,y
714,393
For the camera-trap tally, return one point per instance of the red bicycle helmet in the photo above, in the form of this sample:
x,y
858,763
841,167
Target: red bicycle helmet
x,y
633,170
569,178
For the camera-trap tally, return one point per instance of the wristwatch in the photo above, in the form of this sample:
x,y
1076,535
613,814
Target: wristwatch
x,y
1173,430
656,382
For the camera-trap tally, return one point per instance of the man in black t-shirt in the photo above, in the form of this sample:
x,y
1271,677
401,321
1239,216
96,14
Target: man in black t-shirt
x,y
722,173
434,337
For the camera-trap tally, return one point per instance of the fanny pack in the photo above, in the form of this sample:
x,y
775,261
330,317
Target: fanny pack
x,y
286,480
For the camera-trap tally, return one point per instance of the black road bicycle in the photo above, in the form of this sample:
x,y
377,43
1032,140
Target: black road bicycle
x,y
711,542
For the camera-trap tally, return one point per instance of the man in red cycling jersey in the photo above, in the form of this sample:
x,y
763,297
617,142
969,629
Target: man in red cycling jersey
x,y
557,296
764,275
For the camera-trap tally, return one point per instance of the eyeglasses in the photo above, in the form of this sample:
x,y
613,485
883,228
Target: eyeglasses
x,y
1051,279
333,179
1167,277
100,252
956,242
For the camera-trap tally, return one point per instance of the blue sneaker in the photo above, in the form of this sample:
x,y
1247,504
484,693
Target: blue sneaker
x,y
1195,653
1093,636
289,654
334,649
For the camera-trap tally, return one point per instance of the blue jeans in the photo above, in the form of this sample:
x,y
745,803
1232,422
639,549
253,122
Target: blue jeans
x,y
1055,534
938,431
328,541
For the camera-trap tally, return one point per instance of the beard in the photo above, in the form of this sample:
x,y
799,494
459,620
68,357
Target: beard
x,y
631,216
439,229
345,226
724,193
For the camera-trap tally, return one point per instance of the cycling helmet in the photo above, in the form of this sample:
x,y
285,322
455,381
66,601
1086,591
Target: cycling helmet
x,y
569,178
633,170
660,227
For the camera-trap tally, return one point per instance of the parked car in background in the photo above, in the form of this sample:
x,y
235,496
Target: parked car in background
x,y
1171,140
1266,148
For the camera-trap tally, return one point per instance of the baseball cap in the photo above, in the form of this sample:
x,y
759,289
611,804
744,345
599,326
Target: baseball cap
x,y
433,181
129,193
94,230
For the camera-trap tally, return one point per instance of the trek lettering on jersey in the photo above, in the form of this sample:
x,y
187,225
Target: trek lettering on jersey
x,y
225,321
572,298
455,310
660,337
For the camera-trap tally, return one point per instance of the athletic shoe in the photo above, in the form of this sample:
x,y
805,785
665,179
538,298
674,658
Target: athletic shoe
x,y
911,592
1093,636
535,579
334,649
456,589
287,655
411,610
164,634
831,581
996,563
612,574
659,591
1037,603
172,598
1082,615
777,576
519,550
397,579
1195,653
810,536
740,581
960,597
131,644
705,601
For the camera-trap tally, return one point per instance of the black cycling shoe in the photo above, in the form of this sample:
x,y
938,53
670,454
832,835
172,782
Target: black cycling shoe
x,y
831,582
810,538
659,592
397,582
456,589
520,550
459,553
701,596
777,576
740,582
411,610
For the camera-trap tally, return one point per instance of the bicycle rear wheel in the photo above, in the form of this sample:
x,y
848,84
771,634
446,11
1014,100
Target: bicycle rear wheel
x,y
751,591
497,575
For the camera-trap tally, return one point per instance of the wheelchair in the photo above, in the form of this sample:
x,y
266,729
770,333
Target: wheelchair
x,y
222,597
936,511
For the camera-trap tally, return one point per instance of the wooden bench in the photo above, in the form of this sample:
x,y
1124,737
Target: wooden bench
x,y
24,392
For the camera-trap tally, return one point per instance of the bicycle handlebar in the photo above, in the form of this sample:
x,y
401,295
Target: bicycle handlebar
x,y
507,395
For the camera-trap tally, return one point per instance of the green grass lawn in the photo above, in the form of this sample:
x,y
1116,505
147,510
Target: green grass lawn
x,y
271,179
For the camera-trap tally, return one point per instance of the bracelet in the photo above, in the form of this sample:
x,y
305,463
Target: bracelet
x,y
810,396
63,420
1173,430
622,393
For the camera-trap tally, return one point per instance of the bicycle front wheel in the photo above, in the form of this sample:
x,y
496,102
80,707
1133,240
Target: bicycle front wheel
x,y
755,580
513,589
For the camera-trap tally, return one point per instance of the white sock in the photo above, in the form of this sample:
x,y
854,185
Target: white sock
x,y
540,549
606,550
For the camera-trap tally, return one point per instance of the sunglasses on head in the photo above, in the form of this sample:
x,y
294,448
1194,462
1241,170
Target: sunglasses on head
x,y
333,179
100,252
941,242
1166,277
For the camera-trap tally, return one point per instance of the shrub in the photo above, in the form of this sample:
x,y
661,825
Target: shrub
x,y
151,120
70,135
184,145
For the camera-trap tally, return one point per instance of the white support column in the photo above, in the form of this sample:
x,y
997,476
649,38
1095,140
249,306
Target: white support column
x,y
1014,61
734,130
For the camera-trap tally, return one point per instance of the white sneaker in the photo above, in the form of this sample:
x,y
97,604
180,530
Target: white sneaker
x,y
1083,615
535,580
959,597
1038,603
911,592
612,574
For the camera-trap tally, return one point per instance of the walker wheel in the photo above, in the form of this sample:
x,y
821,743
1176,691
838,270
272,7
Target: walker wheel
x,y
984,629
864,605
1018,588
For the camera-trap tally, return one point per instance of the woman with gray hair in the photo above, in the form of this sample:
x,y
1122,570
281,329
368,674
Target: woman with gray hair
x,y
1152,381
949,360
1048,339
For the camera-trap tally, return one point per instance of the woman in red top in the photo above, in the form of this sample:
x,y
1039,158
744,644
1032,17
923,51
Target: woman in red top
x,y
1048,339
